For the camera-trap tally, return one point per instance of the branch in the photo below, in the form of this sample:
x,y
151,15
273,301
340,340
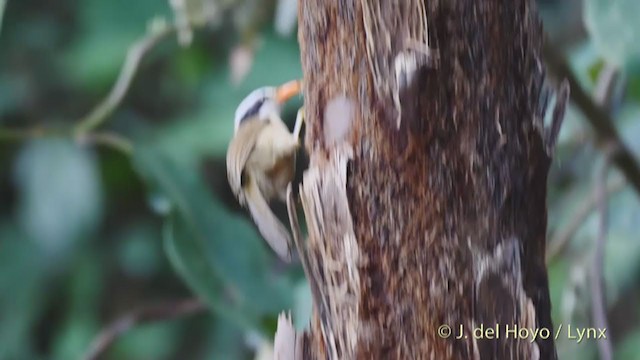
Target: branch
x,y
606,87
136,53
604,95
108,139
598,306
3,4
561,239
81,132
30,133
159,312
596,116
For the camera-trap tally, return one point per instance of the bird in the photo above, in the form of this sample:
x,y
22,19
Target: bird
x,y
261,159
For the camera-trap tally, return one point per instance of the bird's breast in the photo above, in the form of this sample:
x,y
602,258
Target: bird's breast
x,y
273,160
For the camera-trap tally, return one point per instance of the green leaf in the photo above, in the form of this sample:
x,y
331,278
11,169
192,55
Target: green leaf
x,y
73,338
629,347
81,309
633,87
614,28
14,90
217,253
303,305
153,341
185,252
571,349
22,293
558,274
60,193
622,252
139,254
225,341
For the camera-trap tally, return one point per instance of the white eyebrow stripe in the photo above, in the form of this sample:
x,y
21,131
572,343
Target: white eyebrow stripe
x,y
250,101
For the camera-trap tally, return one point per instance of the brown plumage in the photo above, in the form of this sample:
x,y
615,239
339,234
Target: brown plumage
x,y
261,161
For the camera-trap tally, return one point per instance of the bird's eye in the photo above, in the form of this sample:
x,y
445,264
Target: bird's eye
x,y
253,110
244,178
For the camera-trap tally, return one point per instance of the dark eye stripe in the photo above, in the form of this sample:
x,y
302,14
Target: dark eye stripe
x,y
253,111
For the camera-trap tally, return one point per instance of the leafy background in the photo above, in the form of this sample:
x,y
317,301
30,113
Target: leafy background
x,y
90,230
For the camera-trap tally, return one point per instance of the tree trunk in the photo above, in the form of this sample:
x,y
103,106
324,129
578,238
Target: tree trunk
x,y
425,194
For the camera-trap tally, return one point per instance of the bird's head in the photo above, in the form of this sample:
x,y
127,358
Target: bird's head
x,y
263,102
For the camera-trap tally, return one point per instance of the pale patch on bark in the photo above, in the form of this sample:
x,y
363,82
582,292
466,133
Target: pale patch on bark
x,y
331,238
287,344
393,66
338,120
505,263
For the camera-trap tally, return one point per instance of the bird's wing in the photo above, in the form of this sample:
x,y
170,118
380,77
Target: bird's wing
x,y
270,227
238,153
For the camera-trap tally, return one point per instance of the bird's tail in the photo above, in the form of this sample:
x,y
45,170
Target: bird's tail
x,y
270,227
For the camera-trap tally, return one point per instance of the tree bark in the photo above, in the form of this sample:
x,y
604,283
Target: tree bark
x,y
425,193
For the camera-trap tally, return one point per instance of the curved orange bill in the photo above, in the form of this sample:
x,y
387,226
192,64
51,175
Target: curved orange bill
x,y
288,90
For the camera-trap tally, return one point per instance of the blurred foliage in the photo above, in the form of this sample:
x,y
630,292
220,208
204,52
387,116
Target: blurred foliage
x,y
614,29
88,233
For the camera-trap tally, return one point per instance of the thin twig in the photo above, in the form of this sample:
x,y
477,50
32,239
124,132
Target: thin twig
x,y
161,312
3,4
604,96
81,132
606,85
598,306
29,133
108,139
561,239
596,116
136,53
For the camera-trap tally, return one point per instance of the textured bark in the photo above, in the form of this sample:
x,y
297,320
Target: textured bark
x,y
442,218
